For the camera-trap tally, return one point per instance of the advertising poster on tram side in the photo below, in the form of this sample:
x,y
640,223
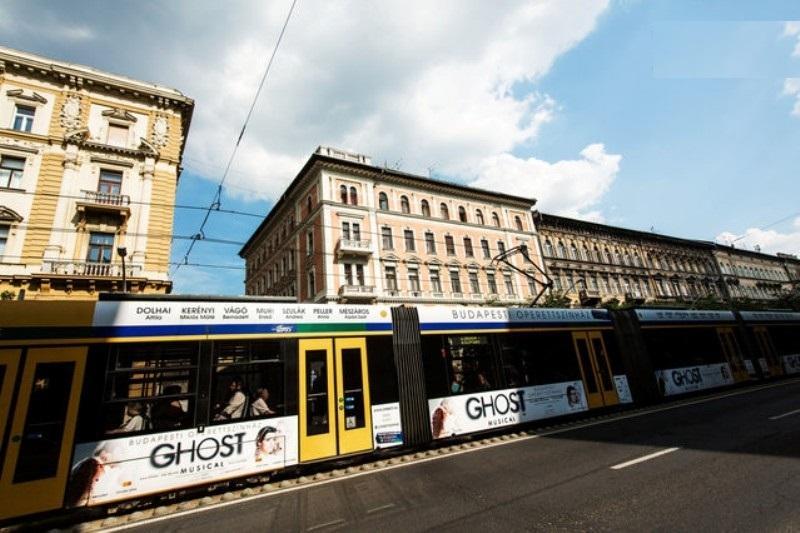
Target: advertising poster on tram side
x,y
387,429
125,467
623,390
693,378
465,413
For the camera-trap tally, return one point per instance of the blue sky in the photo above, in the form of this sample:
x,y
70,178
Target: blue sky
x,y
675,115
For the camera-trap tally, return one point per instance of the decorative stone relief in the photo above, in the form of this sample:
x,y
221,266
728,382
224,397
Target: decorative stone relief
x,y
160,132
71,113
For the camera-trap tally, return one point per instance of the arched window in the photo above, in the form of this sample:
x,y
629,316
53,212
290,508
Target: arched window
x,y
573,251
596,256
586,255
618,256
405,207
627,258
495,220
425,208
383,202
518,222
462,213
308,204
444,211
609,259
562,251
548,248
479,217
343,194
353,196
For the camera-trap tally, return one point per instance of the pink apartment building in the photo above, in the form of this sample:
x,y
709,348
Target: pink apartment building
x,y
348,231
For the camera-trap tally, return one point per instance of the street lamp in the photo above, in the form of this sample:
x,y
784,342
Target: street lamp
x,y
122,252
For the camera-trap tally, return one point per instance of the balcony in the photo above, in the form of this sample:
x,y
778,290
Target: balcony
x,y
589,297
87,269
357,292
353,247
104,204
634,297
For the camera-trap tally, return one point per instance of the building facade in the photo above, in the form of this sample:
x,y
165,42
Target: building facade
x,y
590,263
753,275
348,231
89,164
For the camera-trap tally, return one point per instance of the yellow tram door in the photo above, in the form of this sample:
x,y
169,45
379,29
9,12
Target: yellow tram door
x,y
354,411
595,369
37,458
335,408
732,353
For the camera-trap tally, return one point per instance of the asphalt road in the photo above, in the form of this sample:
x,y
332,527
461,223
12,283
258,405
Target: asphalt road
x,y
735,469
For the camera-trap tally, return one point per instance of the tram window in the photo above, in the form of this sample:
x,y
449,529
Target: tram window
x,y
353,388
248,380
150,387
538,358
683,347
317,392
382,372
614,357
470,364
434,360
786,339
40,447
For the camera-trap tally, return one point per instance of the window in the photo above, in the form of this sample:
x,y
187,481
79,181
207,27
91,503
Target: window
x,y
346,231
485,248
312,284
11,169
518,222
495,220
501,247
408,237
443,211
425,208
353,196
23,118
248,380
386,238
455,281
150,387
462,213
449,245
391,278
110,182
509,283
474,284
117,135
479,217
383,202
469,366
308,205
548,248
413,279
310,243
609,260
468,247
573,251
430,244
101,247
538,358
405,207
531,283
3,238
343,194
562,251
436,281
491,282
357,270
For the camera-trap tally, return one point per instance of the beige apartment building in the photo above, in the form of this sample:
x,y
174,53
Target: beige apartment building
x,y
348,231
591,263
89,165
752,274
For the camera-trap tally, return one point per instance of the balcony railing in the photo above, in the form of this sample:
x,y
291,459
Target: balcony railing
x,y
106,198
354,247
357,291
88,269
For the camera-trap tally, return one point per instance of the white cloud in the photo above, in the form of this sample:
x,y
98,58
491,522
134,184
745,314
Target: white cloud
x,y
570,187
791,87
770,241
791,28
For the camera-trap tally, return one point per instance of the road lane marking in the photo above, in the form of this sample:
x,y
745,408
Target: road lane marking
x,y
644,458
790,413
580,425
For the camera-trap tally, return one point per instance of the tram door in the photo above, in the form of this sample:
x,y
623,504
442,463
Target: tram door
x,y
768,361
42,426
732,353
595,369
335,408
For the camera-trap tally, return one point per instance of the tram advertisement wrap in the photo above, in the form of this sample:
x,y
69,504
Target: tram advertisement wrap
x,y
479,411
693,378
791,363
121,468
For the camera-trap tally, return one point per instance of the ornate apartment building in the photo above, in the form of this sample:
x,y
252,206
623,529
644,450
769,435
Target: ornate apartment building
x,y
89,165
348,231
753,275
590,263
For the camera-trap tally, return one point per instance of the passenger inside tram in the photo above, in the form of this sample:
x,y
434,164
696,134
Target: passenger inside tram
x,y
168,413
136,419
259,407
236,403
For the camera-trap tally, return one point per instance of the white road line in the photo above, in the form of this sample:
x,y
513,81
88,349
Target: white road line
x,y
644,458
790,413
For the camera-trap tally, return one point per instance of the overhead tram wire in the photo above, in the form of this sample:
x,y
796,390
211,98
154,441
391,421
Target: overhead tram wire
x,y
215,203
771,224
